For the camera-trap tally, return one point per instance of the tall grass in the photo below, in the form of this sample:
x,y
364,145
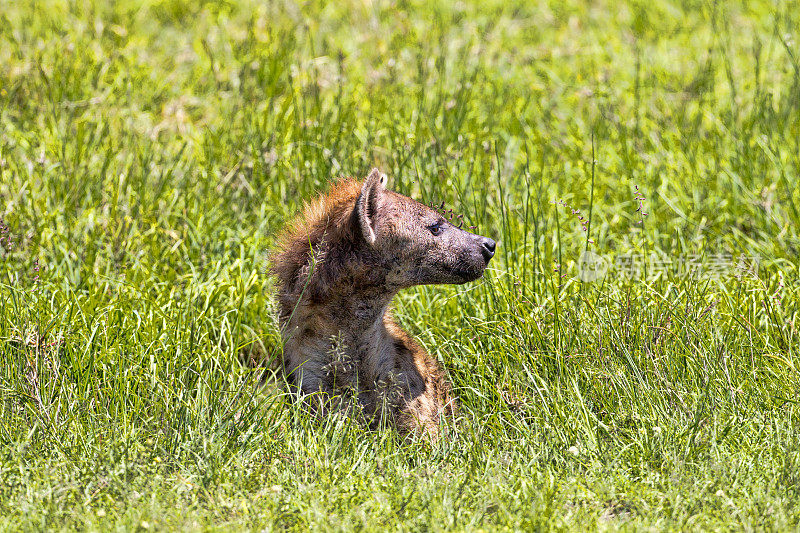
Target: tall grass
x,y
150,151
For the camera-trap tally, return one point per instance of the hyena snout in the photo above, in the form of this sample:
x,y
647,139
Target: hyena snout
x,y
487,248
476,252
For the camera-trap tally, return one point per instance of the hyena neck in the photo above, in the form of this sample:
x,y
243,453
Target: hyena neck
x,y
362,312
352,286
340,291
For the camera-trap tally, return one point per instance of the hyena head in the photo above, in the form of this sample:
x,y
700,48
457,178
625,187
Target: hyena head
x,y
416,243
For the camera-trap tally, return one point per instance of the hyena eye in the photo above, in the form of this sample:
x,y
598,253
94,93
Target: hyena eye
x,y
436,228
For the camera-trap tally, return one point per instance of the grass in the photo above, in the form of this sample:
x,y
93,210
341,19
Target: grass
x,y
149,152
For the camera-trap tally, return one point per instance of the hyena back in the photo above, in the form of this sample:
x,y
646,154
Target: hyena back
x,y
337,267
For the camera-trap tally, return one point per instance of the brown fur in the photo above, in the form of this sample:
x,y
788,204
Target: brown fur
x,y
338,265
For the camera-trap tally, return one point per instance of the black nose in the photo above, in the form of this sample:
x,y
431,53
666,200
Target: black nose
x,y
487,248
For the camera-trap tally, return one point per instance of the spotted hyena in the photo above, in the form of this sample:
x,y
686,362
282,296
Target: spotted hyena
x,y
337,267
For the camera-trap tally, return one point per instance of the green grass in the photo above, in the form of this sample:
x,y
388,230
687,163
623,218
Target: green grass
x,y
150,151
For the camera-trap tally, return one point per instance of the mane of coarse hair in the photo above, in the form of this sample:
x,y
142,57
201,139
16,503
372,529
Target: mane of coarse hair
x,y
325,219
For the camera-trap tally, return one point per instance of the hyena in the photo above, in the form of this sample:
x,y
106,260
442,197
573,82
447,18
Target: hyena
x,y
337,267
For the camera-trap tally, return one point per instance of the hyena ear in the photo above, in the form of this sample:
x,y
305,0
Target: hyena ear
x,y
368,203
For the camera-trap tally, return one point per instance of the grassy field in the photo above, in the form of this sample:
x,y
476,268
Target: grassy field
x,y
150,151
